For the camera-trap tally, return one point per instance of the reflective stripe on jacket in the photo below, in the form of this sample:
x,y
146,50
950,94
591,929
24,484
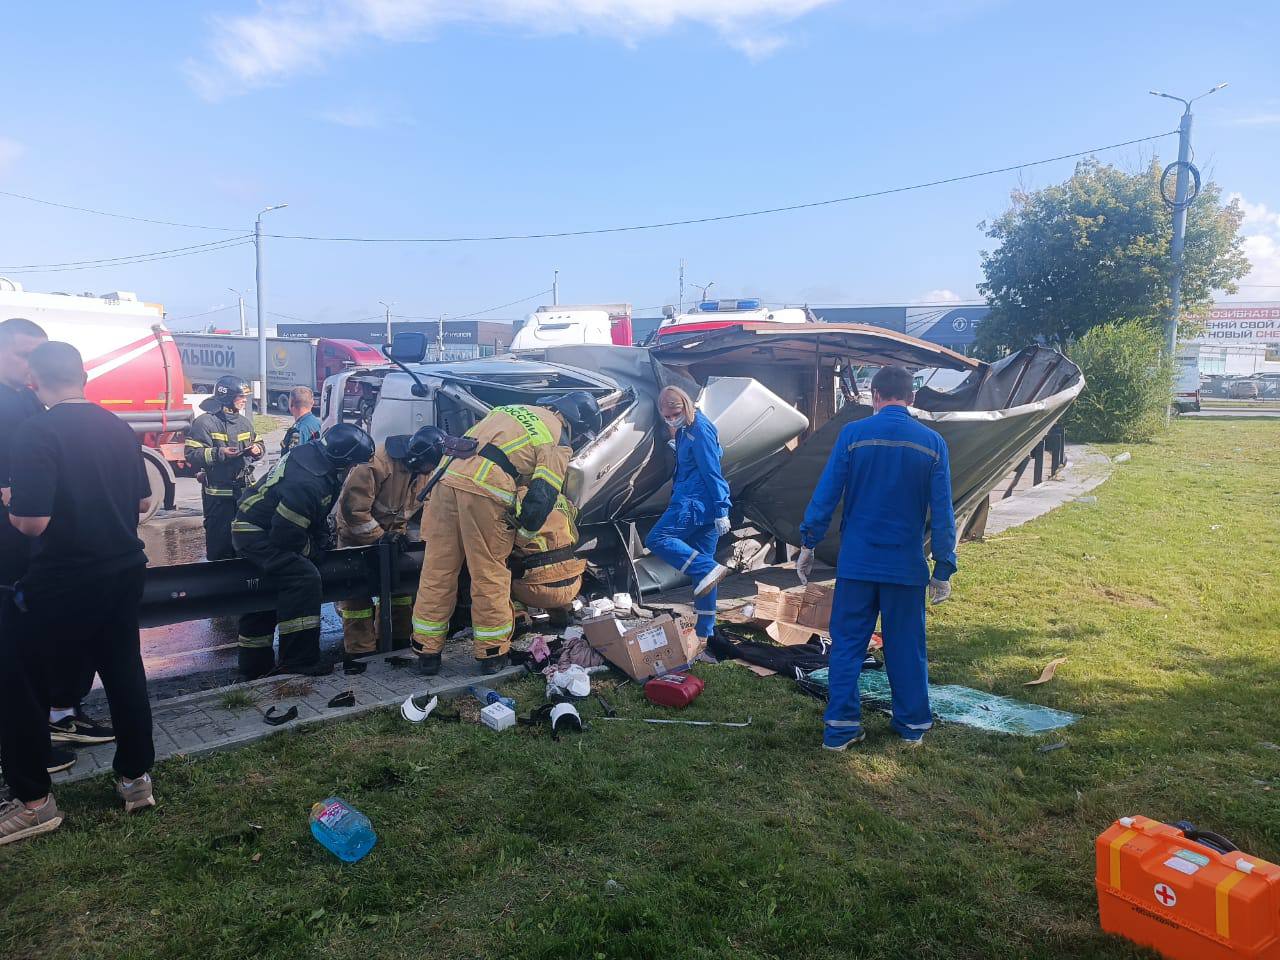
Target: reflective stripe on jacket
x,y
530,439
558,534
292,502
209,433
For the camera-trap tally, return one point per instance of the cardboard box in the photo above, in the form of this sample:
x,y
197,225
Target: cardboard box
x,y
793,616
646,649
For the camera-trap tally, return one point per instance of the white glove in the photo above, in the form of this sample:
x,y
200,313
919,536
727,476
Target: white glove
x,y
804,564
939,590
722,526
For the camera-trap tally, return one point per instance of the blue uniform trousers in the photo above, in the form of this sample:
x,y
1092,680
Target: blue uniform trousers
x,y
854,611
692,551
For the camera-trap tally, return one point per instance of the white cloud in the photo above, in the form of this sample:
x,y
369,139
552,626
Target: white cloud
x,y
363,117
10,151
1261,232
1264,119
940,296
285,37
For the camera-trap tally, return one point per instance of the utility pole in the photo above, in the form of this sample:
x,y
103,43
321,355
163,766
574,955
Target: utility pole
x,y
1180,202
262,326
244,331
440,339
681,308
555,289
388,308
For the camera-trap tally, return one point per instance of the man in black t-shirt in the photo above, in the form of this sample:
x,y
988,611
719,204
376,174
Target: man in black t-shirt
x,y
78,486
18,337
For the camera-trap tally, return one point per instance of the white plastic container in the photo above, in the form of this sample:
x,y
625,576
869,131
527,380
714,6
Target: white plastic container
x,y
498,716
622,604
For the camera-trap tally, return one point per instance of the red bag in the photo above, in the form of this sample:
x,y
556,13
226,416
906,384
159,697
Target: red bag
x,y
674,690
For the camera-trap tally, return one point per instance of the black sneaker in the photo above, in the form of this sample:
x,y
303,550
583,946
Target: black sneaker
x,y
79,729
60,760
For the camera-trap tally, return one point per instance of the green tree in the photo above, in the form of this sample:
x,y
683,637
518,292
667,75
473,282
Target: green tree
x,y
1095,250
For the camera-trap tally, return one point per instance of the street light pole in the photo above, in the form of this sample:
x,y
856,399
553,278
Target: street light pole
x,y
262,327
1180,205
388,309
244,331
555,289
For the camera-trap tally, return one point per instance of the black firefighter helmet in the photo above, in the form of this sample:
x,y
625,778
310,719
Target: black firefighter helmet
x,y
346,445
226,392
579,410
422,452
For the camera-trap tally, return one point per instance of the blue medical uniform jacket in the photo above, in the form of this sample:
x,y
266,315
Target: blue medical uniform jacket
x,y
699,487
892,472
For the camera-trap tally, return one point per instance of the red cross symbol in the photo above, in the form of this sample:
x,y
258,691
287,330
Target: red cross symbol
x,y
1165,894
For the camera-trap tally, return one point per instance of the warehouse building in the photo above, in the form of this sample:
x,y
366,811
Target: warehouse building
x,y
463,339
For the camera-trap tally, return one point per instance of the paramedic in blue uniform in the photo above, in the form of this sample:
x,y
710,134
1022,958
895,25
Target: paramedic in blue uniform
x,y
686,534
893,474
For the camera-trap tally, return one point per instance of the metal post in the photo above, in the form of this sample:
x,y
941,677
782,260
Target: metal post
x,y
386,584
262,326
440,339
244,331
1179,233
388,309
681,308
555,289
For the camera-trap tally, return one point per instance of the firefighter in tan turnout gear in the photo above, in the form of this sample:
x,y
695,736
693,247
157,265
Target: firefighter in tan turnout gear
x,y
377,501
471,518
544,571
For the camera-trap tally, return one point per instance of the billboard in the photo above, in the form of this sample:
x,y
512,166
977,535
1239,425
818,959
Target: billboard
x,y
1241,324
952,325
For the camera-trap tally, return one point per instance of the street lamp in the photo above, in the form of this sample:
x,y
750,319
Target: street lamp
x,y
388,307
244,331
1179,204
262,327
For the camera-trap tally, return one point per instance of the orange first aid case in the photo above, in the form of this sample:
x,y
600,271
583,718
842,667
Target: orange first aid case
x,y
1187,893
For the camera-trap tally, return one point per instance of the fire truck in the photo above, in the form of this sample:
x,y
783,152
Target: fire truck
x,y
133,366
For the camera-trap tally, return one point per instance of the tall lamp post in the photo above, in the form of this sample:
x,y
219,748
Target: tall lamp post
x,y
244,331
387,306
1185,171
262,326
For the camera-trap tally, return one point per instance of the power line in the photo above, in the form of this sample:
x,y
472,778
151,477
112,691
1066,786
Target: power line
x,y
727,216
114,260
192,316
124,261
117,216
467,316
623,229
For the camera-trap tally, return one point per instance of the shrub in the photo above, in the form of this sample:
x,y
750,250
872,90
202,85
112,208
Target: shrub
x,y
1128,384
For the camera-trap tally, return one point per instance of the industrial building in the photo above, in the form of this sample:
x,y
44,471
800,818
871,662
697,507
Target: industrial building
x,y
463,339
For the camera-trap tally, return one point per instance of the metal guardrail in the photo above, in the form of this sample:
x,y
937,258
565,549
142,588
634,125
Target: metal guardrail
x,y
1054,446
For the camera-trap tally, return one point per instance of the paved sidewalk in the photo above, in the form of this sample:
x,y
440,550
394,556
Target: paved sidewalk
x,y
203,722
1085,470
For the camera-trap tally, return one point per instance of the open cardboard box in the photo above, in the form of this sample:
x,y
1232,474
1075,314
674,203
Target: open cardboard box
x,y
792,616
645,650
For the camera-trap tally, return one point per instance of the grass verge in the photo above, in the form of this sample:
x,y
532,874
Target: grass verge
x,y
641,841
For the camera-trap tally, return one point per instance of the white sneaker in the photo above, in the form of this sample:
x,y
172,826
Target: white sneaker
x,y
711,580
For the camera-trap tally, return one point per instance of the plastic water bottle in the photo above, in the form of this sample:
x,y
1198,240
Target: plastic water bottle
x,y
342,829
488,695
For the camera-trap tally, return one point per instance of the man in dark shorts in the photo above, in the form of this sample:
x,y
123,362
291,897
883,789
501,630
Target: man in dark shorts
x,y
78,485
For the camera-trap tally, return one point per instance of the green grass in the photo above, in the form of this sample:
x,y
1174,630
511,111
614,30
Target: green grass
x,y
236,699
750,843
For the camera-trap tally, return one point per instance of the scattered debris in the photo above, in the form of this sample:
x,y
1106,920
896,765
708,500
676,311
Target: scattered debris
x,y
498,716
353,667
1122,458
613,888
1050,747
398,663
277,719
345,699
1269,745
1047,673
256,858
687,723
573,682
1086,499
416,712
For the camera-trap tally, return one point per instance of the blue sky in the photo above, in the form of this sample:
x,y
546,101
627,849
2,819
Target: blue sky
x,y
433,118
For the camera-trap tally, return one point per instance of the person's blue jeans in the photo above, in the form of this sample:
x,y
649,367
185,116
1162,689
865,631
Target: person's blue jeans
x,y
691,549
854,610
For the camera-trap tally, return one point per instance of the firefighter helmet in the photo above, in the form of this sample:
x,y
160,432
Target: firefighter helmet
x,y
579,410
346,445
226,392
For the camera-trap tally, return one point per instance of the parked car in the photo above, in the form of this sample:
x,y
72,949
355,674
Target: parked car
x,y
1243,390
